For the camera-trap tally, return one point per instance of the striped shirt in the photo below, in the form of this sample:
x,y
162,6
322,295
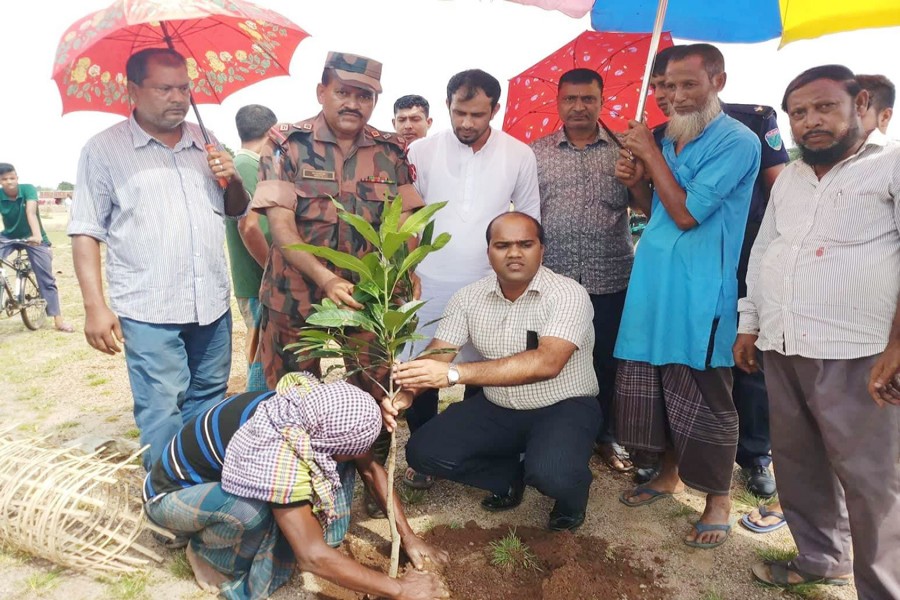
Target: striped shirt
x,y
196,454
824,274
160,212
584,211
552,306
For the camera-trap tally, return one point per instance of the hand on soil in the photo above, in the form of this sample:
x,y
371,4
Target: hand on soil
x,y
419,551
417,585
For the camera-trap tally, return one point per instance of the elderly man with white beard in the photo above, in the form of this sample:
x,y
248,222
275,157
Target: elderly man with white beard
x,y
673,390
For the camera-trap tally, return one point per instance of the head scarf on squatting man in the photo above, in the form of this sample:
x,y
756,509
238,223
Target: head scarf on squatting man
x,y
299,430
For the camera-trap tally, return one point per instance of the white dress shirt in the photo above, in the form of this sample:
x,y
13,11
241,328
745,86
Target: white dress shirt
x,y
824,274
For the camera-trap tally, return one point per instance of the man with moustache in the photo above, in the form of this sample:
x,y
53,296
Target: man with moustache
x,y
481,172
149,190
537,388
679,322
411,120
823,307
335,155
584,211
749,390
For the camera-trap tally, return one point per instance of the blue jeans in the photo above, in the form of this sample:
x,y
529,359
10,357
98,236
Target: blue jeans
x,y
176,372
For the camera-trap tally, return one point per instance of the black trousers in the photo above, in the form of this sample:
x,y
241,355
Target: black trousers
x,y
425,406
752,404
607,317
477,443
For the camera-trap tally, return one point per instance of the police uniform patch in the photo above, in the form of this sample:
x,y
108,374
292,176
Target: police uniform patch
x,y
773,138
284,127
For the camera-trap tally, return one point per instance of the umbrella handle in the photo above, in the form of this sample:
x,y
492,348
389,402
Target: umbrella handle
x,y
651,56
223,183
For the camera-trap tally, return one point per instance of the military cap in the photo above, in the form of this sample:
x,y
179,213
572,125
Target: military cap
x,y
355,70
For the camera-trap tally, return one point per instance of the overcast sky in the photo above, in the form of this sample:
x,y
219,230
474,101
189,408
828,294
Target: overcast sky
x,y
421,43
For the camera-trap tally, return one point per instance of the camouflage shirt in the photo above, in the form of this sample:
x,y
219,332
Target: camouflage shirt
x,y
302,169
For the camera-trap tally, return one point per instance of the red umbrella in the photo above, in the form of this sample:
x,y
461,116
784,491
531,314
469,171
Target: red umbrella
x,y
229,44
619,58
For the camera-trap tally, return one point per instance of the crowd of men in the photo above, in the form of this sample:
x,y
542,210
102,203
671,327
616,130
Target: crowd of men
x,y
568,342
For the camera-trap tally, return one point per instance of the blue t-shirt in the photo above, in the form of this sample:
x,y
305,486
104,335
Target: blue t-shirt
x,y
684,282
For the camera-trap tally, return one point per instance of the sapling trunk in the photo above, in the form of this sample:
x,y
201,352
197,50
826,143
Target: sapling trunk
x,y
391,515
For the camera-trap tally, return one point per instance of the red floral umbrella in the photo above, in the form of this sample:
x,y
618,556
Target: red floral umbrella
x,y
229,44
620,58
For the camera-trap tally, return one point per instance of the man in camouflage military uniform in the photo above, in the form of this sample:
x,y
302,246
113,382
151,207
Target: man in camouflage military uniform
x,y
332,155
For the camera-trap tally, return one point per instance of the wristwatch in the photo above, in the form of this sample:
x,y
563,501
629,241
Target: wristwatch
x,y
452,375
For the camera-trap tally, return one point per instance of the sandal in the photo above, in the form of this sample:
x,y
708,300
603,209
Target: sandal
x,y
615,457
763,513
703,528
654,496
776,573
417,481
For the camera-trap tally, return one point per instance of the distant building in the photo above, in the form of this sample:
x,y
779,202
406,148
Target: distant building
x,y
54,197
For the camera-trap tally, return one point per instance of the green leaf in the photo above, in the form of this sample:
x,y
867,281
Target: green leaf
x,y
341,260
362,227
339,318
420,219
425,238
441,241
390,217
393,242
412,306
394,319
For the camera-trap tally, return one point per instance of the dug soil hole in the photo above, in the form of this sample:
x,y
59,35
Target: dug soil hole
x,y
561,566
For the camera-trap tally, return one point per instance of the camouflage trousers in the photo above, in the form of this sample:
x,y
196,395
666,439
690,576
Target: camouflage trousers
x,y
277,330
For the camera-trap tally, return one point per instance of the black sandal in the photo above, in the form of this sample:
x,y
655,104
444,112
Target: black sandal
x,y
779,571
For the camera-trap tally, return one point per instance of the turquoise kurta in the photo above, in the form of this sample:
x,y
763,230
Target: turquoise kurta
x,y
683,281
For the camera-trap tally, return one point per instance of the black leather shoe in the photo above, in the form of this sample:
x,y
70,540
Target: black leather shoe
x,y
564,522
760,481
500,502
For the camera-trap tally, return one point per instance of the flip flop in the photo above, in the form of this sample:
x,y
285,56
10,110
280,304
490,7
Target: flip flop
x,y
417,481
703,528
654,496
780,570
764,512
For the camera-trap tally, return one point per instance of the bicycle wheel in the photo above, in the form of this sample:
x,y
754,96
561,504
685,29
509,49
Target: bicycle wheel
x,y
33,306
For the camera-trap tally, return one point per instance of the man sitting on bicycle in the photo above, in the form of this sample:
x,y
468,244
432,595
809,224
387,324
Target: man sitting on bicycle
x,y
19,210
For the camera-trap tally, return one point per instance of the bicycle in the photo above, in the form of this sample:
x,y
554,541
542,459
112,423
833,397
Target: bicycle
x,y
24,297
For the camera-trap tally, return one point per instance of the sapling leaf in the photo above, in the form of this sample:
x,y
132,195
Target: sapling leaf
x,y
342,260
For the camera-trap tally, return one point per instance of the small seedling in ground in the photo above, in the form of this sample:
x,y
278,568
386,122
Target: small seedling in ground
x,y
456,525
511,552
712,595
133,433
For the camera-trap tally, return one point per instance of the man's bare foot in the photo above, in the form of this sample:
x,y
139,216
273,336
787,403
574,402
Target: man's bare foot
x,y
207,577
615,457
717,512
62,325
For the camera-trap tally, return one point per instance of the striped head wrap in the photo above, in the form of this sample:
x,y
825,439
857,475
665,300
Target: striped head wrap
x,y
294,436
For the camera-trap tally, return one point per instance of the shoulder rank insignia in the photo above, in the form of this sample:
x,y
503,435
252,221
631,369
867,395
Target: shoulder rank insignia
x,y
759,108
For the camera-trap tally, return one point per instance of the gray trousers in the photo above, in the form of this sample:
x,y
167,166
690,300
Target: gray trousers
x,y
837,457
40,258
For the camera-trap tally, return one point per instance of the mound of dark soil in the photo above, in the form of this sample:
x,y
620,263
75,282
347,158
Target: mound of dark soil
x,y
570,567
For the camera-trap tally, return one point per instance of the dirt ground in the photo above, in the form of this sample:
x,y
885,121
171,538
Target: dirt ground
x,y
53,384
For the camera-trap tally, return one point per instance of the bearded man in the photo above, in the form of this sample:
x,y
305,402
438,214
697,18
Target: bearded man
x,y
823,307
674,382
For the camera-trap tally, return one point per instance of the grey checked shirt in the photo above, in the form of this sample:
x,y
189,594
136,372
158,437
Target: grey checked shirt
x,y
160,212
552,306
584,212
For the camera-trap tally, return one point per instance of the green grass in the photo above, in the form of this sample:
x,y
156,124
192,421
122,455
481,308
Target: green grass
x,y
712,595
94,379
28,428
67,425
744,500
43,581
410,496
776,554
683,510
456,525
511,552
132,586
180,567
133,433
